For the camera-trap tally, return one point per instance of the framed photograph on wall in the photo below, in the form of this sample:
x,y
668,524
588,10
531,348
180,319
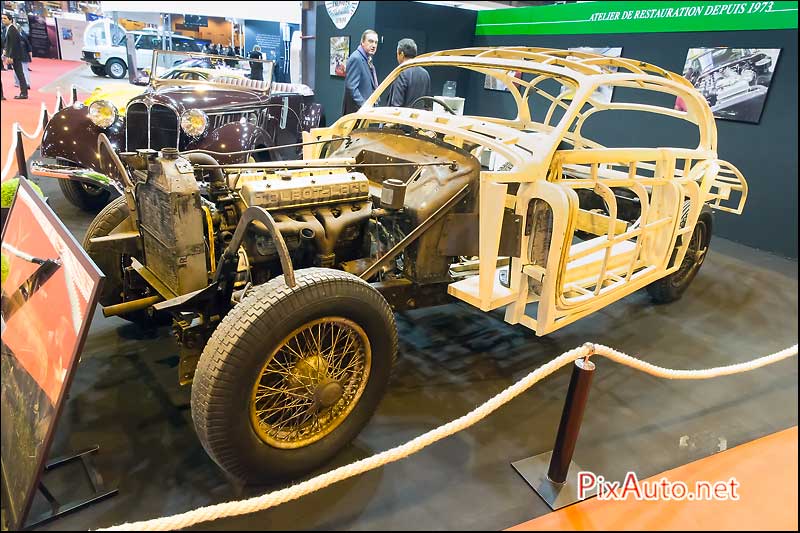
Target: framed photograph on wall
x,y
603,93
495,84
340,51
734,81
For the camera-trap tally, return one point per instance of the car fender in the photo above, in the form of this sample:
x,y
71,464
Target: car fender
x,y
72,136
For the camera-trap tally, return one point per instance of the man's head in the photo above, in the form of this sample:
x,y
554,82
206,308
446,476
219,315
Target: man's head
x,y
369,42
256,48
7,19
406,49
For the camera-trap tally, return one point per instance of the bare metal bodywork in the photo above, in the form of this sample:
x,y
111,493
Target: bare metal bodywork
x,y
572,280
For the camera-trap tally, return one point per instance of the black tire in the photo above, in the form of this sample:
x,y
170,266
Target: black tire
x,y
84,196
98,70
672,287
244,343
260,157
112,264
116,68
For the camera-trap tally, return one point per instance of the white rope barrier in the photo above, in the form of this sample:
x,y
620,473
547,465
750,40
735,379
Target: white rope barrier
x,y
35,134
272,499
17,127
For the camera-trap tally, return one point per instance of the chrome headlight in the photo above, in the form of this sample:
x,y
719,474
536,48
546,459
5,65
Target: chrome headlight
x,y
102,113
194,122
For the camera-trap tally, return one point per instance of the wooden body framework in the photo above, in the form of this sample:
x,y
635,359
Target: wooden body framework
x,y
567,279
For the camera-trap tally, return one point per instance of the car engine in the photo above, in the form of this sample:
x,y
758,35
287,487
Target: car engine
x,y
335,216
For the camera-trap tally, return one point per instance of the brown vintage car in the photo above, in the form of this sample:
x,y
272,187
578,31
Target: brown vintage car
x,y
193,102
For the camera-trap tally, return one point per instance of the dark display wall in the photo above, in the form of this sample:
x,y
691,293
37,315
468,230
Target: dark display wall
x,y
766,153
329,90
432,28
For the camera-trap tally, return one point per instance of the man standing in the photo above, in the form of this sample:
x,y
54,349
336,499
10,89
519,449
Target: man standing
x,y
230,53
15,52
26,62
256,67
412,82
3,31
360,79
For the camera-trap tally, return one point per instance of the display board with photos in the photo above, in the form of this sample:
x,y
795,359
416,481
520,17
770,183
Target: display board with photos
x,y
49,292
340,52
734,81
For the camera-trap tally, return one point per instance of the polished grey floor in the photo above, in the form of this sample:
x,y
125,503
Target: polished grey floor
x,y
743,304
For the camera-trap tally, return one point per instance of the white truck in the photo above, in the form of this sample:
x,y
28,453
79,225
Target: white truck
x,y
105,47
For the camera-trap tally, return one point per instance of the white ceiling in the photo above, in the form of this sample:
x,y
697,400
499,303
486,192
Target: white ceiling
x,y
277,11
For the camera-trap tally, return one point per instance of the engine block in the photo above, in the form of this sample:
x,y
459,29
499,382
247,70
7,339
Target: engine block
x,y
289,190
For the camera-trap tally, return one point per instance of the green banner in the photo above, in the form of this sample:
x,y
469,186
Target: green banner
x,y
637,17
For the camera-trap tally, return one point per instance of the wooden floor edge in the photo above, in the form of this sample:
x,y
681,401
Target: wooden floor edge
x,y
766,472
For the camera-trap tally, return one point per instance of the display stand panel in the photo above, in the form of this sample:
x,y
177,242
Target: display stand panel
x,y
49,292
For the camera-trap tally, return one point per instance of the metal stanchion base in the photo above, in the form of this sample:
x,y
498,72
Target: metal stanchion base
x,y
557,495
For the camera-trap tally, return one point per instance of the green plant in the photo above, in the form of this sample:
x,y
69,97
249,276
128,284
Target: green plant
x,y
5,268
9,189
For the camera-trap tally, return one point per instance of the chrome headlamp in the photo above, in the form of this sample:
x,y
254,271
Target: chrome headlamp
x,y
102,113
194,122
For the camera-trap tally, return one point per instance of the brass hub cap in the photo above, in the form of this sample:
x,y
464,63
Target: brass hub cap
x,y
310,383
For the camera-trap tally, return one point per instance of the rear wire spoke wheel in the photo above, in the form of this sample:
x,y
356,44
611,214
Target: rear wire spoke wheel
x,y
671,288
695,254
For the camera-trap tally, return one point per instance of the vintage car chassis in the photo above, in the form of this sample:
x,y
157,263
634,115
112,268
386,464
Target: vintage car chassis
x,y
266,267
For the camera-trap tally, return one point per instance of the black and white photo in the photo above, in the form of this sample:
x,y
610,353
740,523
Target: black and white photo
x,y
734,81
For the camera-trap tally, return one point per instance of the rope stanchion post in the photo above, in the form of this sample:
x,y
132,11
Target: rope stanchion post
x,y
553,475
22,161
74,95
571,418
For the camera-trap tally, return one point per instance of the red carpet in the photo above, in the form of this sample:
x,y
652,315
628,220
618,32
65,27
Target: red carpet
x,y
27,112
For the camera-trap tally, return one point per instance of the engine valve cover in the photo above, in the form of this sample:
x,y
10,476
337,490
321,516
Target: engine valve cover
x,y
298,190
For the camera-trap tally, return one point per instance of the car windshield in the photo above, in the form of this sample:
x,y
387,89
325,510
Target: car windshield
x,y
199,67
117,35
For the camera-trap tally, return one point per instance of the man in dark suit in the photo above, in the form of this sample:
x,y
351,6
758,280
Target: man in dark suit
x,y
412,82
360,79
15,52
256,67
230,53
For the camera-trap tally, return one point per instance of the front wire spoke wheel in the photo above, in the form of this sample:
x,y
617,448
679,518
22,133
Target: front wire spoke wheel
x,y
310,383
